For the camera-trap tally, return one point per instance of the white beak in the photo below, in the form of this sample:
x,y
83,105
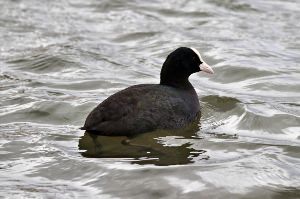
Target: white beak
x,y
206,68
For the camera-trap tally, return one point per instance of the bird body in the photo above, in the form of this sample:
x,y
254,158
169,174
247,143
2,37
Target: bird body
x,y
144,108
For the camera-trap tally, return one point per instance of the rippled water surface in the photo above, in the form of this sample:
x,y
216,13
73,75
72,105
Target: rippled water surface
x,y
59,59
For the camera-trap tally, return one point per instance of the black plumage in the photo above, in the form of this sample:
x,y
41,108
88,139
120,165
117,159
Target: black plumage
x,y
147,107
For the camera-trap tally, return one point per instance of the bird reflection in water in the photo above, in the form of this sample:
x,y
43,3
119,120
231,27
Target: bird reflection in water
x,y
147,148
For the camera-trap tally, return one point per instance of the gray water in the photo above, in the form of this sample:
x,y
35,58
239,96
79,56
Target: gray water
x,y
59,59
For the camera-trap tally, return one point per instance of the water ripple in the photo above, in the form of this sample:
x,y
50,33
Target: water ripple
x,y
59,59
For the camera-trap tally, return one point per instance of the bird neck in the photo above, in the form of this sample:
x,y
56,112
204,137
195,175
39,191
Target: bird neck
x,y
177,82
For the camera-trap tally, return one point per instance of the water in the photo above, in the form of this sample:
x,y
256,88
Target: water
x,y
59,59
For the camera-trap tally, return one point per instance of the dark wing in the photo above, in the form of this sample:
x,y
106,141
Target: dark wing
x,y
109,117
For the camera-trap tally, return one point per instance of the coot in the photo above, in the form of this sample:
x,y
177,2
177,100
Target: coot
x,y
171,104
